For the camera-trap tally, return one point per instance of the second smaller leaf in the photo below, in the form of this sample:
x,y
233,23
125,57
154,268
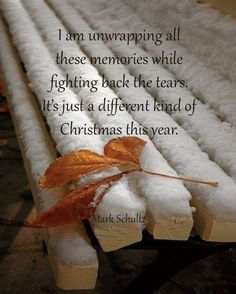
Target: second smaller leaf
x,y
125,148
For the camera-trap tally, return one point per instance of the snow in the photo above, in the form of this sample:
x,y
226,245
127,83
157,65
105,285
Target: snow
x,y
203,126
200,78
216,138
71,247
206,32
182,152
159,188
101,190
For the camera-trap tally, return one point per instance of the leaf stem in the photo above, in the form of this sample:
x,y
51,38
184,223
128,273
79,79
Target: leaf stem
x,y
213,184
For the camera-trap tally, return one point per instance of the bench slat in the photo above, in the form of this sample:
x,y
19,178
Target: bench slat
x,y
27,120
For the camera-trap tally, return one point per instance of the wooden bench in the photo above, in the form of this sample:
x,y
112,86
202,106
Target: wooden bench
x,y
78,271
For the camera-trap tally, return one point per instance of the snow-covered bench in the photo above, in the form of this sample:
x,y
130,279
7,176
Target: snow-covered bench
x,y
166,204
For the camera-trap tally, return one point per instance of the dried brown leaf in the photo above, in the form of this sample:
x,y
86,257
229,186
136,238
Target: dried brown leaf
x,y
125,148
74,165
78,204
